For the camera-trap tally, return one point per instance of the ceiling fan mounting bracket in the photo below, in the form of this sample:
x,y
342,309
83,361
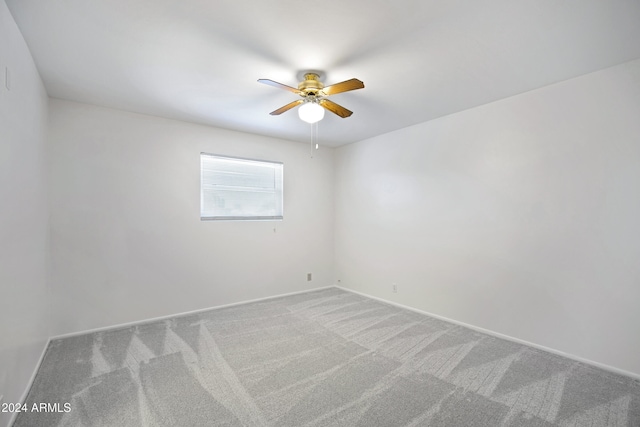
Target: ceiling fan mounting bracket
x,y
300,75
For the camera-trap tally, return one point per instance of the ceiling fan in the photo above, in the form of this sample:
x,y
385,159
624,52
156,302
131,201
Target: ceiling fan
x,y
314,95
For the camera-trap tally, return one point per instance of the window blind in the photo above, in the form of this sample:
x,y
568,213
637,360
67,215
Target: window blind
x,y
240,189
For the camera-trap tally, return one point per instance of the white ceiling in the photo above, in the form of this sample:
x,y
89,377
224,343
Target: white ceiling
x,y
198,61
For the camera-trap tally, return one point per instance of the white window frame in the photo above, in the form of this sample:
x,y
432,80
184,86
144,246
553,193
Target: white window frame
x,y
210,188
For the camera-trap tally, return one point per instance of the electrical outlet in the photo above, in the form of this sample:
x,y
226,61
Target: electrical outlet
x,y
394,287
308,277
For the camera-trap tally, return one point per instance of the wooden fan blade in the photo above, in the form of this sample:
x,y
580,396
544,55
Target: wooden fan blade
x,y
335,108
287,107
280,85
345,86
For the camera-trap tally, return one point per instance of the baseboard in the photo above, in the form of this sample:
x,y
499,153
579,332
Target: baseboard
x,y
23,398
169,316
503,336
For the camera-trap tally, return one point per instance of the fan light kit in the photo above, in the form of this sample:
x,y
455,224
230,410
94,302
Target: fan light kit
x,y
311,112
314,97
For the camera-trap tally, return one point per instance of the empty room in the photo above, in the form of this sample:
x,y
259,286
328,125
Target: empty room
x,y
345,213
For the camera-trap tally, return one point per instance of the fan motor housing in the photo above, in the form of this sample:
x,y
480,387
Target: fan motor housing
x,y
311,84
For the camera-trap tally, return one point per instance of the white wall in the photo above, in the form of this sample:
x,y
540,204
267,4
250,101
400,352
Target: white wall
x,y
520,216
127,240
24,247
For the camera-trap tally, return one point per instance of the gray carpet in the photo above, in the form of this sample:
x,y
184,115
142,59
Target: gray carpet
x,y
326,358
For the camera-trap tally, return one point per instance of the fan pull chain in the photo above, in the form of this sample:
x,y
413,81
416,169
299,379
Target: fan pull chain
x,y
314,138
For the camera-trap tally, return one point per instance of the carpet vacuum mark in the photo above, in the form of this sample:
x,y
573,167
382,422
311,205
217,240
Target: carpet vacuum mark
x,y
326,358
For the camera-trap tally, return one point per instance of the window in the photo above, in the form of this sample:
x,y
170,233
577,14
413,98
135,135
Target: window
x,y
239,189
